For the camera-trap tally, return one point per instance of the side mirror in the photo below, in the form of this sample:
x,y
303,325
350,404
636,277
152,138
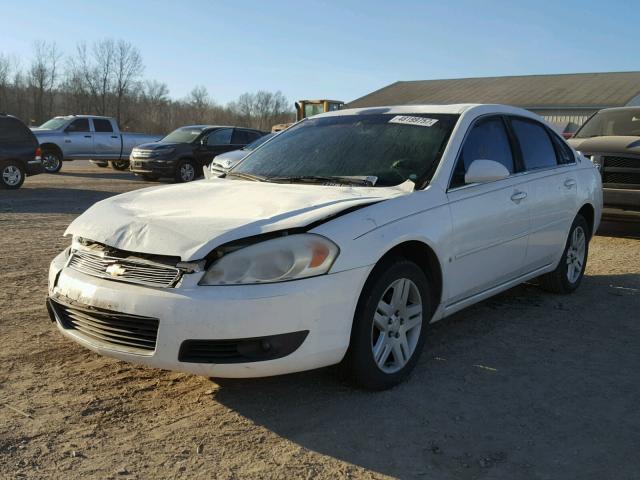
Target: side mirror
x,y
484,171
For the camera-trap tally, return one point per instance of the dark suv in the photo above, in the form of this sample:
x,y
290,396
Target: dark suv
x,y
19,152
183,153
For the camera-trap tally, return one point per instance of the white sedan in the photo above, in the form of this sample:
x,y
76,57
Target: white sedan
x,y
338,241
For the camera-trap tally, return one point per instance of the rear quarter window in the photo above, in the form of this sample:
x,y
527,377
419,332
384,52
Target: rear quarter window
x,y
535,144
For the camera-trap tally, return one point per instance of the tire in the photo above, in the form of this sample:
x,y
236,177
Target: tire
x,y
186,171
51,160
384,328
12,175
120,164
568,274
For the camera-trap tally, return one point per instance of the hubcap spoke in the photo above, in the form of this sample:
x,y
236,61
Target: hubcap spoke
x,y
576,254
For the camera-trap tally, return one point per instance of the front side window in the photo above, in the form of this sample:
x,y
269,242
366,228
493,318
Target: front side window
x,y
240,137
535,144
220,137
487,140
390,148
79,125
102,125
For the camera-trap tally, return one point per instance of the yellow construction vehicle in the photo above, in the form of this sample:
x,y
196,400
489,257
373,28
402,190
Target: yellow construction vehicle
x,y
308,108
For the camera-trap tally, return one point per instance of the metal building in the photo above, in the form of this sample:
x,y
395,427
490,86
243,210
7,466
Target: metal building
x,y
566,100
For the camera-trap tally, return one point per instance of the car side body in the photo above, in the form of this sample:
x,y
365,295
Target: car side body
x,y
471,241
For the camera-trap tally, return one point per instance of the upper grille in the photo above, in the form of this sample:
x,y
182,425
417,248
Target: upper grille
x,y
622,162
132,333
620,170
124,270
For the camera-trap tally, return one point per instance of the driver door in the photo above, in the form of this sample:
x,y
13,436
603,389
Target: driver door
x,y
78,139
215,143
490,220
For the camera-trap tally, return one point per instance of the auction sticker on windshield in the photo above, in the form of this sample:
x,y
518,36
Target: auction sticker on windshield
x,y
410,120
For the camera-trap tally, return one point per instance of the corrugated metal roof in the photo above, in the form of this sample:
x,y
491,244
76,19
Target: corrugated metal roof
x,y
582,90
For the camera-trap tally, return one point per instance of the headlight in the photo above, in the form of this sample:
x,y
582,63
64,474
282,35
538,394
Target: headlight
x,y
285,258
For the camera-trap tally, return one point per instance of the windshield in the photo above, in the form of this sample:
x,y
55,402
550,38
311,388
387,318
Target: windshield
x,y
183,135
389,148
256,143
612,122
55,123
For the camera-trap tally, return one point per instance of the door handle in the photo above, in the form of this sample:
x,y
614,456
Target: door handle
x,y
518,196
87,136
569,183
114,136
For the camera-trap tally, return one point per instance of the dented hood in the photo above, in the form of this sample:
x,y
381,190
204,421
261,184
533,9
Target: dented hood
x,y
189,220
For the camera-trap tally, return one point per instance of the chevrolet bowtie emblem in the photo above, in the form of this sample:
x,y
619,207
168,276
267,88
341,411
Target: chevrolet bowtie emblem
x,y
116,270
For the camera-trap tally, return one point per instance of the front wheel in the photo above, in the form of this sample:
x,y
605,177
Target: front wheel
x,y
120,164
389,325
569,272
11,175
185,171
51,161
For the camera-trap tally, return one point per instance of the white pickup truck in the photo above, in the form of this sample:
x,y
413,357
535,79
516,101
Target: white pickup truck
x,y
86,137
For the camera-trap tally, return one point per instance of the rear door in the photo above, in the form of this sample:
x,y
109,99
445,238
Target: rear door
x,y
490,220
215,143
549,167
107,143
78,139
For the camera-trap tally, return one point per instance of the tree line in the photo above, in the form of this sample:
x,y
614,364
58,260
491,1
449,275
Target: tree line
x,y
106,78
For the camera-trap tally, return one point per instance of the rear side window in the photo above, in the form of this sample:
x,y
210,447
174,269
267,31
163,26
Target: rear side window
x,y
79,125
535,144
13,130
487,140
219,137
240,137
564,153
253,136
102,125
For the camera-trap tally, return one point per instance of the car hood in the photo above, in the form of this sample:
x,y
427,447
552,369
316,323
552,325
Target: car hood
x,y
190,220
155,145
606,144
230,159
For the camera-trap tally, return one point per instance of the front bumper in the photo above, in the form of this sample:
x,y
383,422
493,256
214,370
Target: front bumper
x,y
622,199
322,306
153,166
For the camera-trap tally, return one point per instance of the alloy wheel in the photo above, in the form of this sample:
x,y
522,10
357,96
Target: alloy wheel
x,y
51,162
575,254
187,172
396,325
11,175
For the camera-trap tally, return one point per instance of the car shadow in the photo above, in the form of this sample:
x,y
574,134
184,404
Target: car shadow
x,y
612,228
524,385
101,173
39,200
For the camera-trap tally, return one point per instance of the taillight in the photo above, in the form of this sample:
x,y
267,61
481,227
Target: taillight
x,y
38,154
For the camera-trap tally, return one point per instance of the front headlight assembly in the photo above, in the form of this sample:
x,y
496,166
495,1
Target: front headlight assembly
x,y
276,260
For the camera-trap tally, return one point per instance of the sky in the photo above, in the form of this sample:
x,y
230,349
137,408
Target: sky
x,y
334,49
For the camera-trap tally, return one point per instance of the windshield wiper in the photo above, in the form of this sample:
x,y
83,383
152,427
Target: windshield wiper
x,y
245,176
368,181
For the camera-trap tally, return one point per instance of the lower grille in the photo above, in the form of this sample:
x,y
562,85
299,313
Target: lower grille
x,y
120,331
241,350
621,178
124,270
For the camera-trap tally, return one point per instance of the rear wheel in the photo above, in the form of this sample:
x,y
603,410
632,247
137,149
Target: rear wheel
x,y
120,164
11,175
389,326
569,272
185,171
51,160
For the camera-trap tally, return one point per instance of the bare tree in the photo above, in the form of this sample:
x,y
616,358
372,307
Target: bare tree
x,y
6,69
104,54
43,74
128,68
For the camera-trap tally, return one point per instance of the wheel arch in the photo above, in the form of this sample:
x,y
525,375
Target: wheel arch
x,y
54,147
589,214
426,258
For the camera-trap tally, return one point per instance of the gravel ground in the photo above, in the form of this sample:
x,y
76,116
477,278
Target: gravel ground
x,y
526,385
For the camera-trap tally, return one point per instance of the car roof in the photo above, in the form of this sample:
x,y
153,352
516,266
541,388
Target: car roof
x,y
458,108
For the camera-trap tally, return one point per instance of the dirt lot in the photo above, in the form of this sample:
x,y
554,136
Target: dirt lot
x,y
527,385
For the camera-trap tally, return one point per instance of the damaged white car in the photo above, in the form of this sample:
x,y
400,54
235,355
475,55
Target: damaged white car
x,y
339,241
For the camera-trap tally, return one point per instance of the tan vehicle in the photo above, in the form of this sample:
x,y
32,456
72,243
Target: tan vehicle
x,y
308,108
